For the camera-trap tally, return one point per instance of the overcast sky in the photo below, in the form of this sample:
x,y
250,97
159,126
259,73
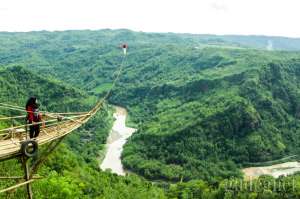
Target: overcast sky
x,y
259,17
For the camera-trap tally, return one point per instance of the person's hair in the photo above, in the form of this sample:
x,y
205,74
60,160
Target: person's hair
x,y
30,102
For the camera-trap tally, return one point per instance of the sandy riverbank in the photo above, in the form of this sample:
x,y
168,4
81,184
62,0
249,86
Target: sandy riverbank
x,y
276,170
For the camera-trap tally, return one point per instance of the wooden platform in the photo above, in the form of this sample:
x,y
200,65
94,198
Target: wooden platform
x,y
11,145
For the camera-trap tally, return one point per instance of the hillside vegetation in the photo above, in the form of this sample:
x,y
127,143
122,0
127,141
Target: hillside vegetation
x,y
248,117
204,106
72,171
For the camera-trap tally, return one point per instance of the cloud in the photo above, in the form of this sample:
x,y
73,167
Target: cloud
x,y
219,5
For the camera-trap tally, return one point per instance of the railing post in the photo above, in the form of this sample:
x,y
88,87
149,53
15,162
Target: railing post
x,y
25,164
12,132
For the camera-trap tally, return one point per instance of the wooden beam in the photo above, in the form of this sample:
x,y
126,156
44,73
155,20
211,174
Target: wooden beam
x,y
27,176
17,185
17,177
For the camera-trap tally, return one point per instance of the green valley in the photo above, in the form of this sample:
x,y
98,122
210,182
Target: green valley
x,y
205,107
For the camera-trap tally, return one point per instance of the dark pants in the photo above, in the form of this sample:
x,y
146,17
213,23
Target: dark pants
x,y
34,130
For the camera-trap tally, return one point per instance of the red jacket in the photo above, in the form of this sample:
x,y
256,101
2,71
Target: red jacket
x,y
33,114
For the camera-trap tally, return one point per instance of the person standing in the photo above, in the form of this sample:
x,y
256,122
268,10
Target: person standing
x,y
33,117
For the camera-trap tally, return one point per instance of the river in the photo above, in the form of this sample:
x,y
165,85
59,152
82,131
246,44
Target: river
x,y
120,133
115,142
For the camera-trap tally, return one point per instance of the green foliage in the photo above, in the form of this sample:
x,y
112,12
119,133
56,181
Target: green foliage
x,y
18,84
204,105
264,187
72,171
215,125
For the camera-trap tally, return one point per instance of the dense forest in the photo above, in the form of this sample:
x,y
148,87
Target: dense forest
x,y
72,171
219,124
205,106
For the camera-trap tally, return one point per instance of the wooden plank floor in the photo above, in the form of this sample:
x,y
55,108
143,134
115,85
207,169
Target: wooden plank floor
x,y
11,147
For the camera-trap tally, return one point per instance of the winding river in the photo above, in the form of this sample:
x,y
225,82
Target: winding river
x,y
120,133
115,142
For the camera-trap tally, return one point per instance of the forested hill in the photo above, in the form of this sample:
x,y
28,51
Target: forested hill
x,y
204,105
207,128
86,38
87,59
18,84
72,170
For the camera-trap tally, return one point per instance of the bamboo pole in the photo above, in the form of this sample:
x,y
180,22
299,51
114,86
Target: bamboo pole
x,y
17,177
27,176
17,185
